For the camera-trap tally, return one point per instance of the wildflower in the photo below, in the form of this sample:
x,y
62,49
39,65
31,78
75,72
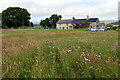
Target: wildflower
x,y
53,56
104,40
82,55
40,70
50,52
87,59
77,62
69,51
98,56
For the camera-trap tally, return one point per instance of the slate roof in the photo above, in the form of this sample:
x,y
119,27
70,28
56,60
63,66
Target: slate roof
x,y
77,20
65,21
85,20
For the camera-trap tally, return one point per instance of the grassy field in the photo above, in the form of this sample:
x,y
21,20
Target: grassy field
x,y
39,53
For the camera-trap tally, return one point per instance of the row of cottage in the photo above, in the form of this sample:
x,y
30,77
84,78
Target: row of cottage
x,y
69,23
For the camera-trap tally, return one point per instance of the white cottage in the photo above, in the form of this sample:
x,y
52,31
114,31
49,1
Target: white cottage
x,y
65,24
69,23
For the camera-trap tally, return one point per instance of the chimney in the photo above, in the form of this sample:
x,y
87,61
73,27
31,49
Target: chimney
x,y
87,17
73,17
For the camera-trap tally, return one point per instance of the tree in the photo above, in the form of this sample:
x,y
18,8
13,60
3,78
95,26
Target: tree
x,y
50,22
0,20
0,16
15,17
54,19
45,23
31,24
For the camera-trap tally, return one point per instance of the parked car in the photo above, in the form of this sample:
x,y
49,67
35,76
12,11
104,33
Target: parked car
x,y
103,29
89,28
94,29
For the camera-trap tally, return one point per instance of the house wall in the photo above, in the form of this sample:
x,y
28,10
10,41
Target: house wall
x,y
95,24
64,26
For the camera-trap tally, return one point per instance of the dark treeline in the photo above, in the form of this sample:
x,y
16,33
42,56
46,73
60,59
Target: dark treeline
x,y
15,17
51,21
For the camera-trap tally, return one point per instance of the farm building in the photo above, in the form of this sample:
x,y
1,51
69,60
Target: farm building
x,y
69,23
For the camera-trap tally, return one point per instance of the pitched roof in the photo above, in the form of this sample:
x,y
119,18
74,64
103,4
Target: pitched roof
x,y
93,19
65,21
77,20
85,20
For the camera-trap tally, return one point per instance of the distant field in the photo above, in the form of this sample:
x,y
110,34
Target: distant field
x,y
59,54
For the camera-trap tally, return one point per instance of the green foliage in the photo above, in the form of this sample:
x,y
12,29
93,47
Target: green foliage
x,y
45,23
114,28
54,19
109,25
15,17
0,20
0,16
50,22
82,25
31,24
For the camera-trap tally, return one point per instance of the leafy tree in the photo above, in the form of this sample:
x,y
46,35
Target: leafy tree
x,y
0,20
0,16
54,19
50,22
45,23
15,17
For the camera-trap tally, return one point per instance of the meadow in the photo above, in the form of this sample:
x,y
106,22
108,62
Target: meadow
x,y
37,53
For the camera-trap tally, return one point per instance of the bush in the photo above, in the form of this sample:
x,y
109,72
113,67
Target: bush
x,y
114,28
23,27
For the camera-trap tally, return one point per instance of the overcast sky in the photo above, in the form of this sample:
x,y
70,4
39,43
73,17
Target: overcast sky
x,y
40,9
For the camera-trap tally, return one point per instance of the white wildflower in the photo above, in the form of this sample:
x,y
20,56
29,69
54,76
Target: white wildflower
x,y
88,60
82,55
69,50
98,56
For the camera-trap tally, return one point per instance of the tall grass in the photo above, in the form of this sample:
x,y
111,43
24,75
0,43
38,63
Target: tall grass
x,y
60,54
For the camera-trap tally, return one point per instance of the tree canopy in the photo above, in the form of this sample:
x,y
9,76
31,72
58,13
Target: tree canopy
x,y
31,24
0,20
51,21
0,16
15,17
